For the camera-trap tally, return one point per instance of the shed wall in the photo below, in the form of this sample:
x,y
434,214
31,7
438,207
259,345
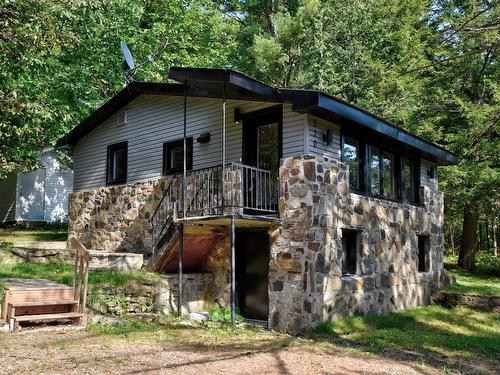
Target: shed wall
x,y
8,199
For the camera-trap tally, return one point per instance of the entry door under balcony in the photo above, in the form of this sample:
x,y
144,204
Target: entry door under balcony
x,y
262,149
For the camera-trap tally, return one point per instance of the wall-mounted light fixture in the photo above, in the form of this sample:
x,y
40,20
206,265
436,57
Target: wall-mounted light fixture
x,y
431,172
327,137
203,138
237,116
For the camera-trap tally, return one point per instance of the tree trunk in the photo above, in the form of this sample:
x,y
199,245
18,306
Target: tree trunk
x,y
466,257
494,238
487,231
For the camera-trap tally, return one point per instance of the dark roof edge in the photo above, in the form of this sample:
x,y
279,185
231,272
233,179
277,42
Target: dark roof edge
x,y
307,100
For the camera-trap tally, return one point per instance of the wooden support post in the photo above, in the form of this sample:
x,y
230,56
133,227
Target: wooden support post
x,y
223,148
180,229
233,273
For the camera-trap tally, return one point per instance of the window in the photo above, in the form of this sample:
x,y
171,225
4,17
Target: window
x,y
375,186
350,156
173,156
388,175
117,163
349,246
423,253
375,170
408,181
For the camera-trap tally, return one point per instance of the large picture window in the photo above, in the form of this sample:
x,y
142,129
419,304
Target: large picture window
x,y
350,156
117,164
377,171
173,156
375,185
408,180
388,162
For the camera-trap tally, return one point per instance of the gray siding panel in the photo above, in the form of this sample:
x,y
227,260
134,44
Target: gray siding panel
x,y
316,128
293,132
58,184
8,198
424,178
151,121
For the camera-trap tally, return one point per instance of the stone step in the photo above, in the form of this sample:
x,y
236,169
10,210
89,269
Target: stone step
x,y
41,245
104,260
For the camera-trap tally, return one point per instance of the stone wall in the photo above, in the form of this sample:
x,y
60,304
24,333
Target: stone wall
x,y
306,284
159,295
115,218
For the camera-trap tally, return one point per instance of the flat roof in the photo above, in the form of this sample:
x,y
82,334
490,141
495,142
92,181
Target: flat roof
x,y
216,83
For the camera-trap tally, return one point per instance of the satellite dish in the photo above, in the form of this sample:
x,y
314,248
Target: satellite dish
x,y
127,56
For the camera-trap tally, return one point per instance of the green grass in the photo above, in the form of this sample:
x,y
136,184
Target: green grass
x,y
62,272
486,279
431,330
48,233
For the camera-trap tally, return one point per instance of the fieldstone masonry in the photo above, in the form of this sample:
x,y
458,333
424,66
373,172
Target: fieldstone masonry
x,y
116,218
306,285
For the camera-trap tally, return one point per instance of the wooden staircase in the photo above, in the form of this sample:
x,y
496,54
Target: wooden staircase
x,y
36,300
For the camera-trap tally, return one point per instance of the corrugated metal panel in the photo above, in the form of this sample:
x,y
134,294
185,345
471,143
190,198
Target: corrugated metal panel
x,y
58,184
8,198
153,120
425,165
315,143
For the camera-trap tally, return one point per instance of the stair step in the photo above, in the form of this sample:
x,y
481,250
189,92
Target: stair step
x,y
43,303
24,318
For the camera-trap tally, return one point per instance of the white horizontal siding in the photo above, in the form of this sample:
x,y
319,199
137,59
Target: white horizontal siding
x,y
425,165
153,120
58,184
293,132
8,198
316,145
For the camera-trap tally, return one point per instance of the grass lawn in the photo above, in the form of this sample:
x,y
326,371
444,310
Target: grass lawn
x,y
49,233
61,272
486,279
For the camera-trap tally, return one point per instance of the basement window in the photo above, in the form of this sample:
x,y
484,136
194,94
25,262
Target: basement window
x,y
423,253
117,164
350,249
173,156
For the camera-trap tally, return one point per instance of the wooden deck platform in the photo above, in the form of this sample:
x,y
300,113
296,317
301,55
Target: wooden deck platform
x,y
38,299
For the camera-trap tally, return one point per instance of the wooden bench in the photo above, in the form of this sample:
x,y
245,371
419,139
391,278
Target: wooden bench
x,y
51,302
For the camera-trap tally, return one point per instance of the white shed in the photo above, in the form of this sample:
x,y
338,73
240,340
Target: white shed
x,y
41,195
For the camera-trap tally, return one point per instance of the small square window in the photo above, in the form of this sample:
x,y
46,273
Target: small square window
x,y
122,118
173,156
350,251
117,163
423,253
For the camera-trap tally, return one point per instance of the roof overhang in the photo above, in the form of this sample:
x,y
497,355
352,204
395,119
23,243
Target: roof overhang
x,y
365,125
219,83
224,83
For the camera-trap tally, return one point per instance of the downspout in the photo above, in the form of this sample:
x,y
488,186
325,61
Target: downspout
x,y
180,227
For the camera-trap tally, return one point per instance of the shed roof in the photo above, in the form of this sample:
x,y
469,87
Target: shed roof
x,y
216,83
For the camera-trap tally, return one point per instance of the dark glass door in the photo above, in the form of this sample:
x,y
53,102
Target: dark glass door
x,y
262,148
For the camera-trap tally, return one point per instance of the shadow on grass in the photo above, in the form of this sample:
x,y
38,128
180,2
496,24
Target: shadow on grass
x,y
432,332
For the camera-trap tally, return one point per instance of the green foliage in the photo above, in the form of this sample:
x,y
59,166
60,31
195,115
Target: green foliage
x,y
431,330
223,315
61,60
485,280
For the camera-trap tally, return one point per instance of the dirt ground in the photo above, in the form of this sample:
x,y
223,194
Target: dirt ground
x,y
70,351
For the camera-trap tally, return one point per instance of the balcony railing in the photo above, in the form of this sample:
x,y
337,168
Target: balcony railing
x,y
216,191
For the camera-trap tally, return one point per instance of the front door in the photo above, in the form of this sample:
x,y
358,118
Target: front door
x,y
262,149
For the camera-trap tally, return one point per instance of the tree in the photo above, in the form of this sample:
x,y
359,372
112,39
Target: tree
x,y
61,60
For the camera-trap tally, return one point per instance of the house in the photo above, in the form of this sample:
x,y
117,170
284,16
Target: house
x,y
37,196
291,205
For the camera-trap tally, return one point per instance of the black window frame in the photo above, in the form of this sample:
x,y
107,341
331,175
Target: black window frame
x,y
360,172
167,146
423,253
111,149
350,256
364,164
